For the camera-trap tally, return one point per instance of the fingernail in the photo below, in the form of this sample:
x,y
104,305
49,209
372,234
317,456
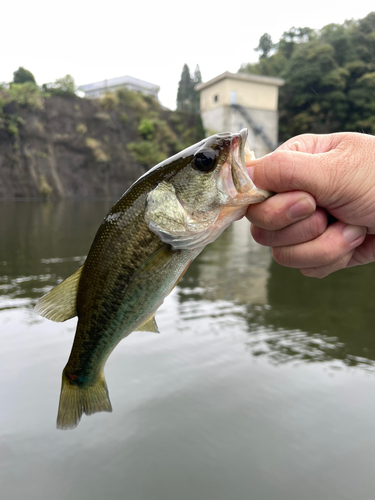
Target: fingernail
x,y
352,233
303,207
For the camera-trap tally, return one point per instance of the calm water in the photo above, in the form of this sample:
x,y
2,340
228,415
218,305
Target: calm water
x,y
260,386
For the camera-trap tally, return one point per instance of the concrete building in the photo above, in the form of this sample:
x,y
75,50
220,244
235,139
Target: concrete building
x,y
233,101
98,89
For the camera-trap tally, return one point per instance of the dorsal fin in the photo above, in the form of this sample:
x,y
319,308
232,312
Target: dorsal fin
x,y
59,304
149,326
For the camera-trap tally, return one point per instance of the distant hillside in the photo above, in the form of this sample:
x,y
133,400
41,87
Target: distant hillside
x,y
63,146
329,77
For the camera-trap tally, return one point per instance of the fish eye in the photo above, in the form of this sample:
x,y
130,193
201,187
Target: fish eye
x,y
205,161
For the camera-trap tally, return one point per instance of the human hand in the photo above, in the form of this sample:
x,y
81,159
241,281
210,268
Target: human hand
x,y
334,172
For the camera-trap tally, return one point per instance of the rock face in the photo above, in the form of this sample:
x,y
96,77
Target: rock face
x,y
71,148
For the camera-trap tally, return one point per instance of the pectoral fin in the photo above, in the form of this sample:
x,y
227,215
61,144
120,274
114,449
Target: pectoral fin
x,y
59,304
155,263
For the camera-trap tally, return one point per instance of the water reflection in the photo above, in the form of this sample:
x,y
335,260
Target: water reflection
x,y
212,408
317,320
42,243
233,268
288,317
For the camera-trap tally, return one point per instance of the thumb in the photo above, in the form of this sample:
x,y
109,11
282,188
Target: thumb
x,y
300,164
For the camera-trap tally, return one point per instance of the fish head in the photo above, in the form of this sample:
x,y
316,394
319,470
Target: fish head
x,y
209,189
217,175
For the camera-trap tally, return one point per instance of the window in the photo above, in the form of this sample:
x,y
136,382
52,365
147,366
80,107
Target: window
x,y
216,98
233,97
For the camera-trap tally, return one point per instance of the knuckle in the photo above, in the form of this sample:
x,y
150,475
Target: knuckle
x,y
287,170
268,217
263,237
329,252
342,262
320,221
281,168
256,233
313,272
323,271
317,224
340,173
282,256
327,255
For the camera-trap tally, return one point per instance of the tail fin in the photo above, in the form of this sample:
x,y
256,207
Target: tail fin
x,y
75,400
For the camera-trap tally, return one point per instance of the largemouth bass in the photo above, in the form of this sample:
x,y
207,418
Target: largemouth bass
x,y
142,248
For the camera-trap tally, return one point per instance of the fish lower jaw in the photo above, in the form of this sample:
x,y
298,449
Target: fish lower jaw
x,y
254,195
228,215
238,188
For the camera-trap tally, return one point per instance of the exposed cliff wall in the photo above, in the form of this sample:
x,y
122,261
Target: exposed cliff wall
x,y
77,147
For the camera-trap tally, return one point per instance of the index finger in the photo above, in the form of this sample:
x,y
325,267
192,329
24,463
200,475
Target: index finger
x,y
281,210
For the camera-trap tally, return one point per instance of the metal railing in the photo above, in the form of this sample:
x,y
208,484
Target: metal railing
x,y
257,128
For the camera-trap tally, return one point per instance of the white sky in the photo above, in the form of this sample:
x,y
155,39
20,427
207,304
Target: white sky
x,y
150,40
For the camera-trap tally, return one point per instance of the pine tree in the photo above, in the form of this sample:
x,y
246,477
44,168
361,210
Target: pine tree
x,y
197,75
265,45
197,79
187,96
184,90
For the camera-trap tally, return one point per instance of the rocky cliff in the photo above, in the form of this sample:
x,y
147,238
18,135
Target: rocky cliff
x,y
71,147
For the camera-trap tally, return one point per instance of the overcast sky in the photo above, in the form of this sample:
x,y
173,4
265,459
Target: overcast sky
x,y
150,40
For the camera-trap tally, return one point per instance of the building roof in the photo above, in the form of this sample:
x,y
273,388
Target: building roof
x,y
121,80
268,80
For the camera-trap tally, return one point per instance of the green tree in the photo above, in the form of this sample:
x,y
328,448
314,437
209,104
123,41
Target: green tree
x,y
64,85
187,96
197,75
184,90
147,128
312,99
337,36
197,79
329,77
26,94
22,75
265,45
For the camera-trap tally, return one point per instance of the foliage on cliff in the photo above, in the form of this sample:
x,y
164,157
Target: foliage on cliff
x,y
329,77
22,75
56,144
160,133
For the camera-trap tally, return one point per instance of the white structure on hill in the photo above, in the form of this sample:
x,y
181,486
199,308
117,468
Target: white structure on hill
x,y
98,89
233,101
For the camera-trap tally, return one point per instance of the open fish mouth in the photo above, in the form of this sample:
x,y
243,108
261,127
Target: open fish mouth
x,y
242,189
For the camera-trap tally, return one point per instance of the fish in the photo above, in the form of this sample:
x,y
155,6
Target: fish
x,y
141,250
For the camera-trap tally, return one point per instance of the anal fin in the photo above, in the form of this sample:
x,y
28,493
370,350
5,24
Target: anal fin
x,y
149,326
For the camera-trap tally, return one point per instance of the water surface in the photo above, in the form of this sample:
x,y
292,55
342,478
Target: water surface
x,y
260,386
